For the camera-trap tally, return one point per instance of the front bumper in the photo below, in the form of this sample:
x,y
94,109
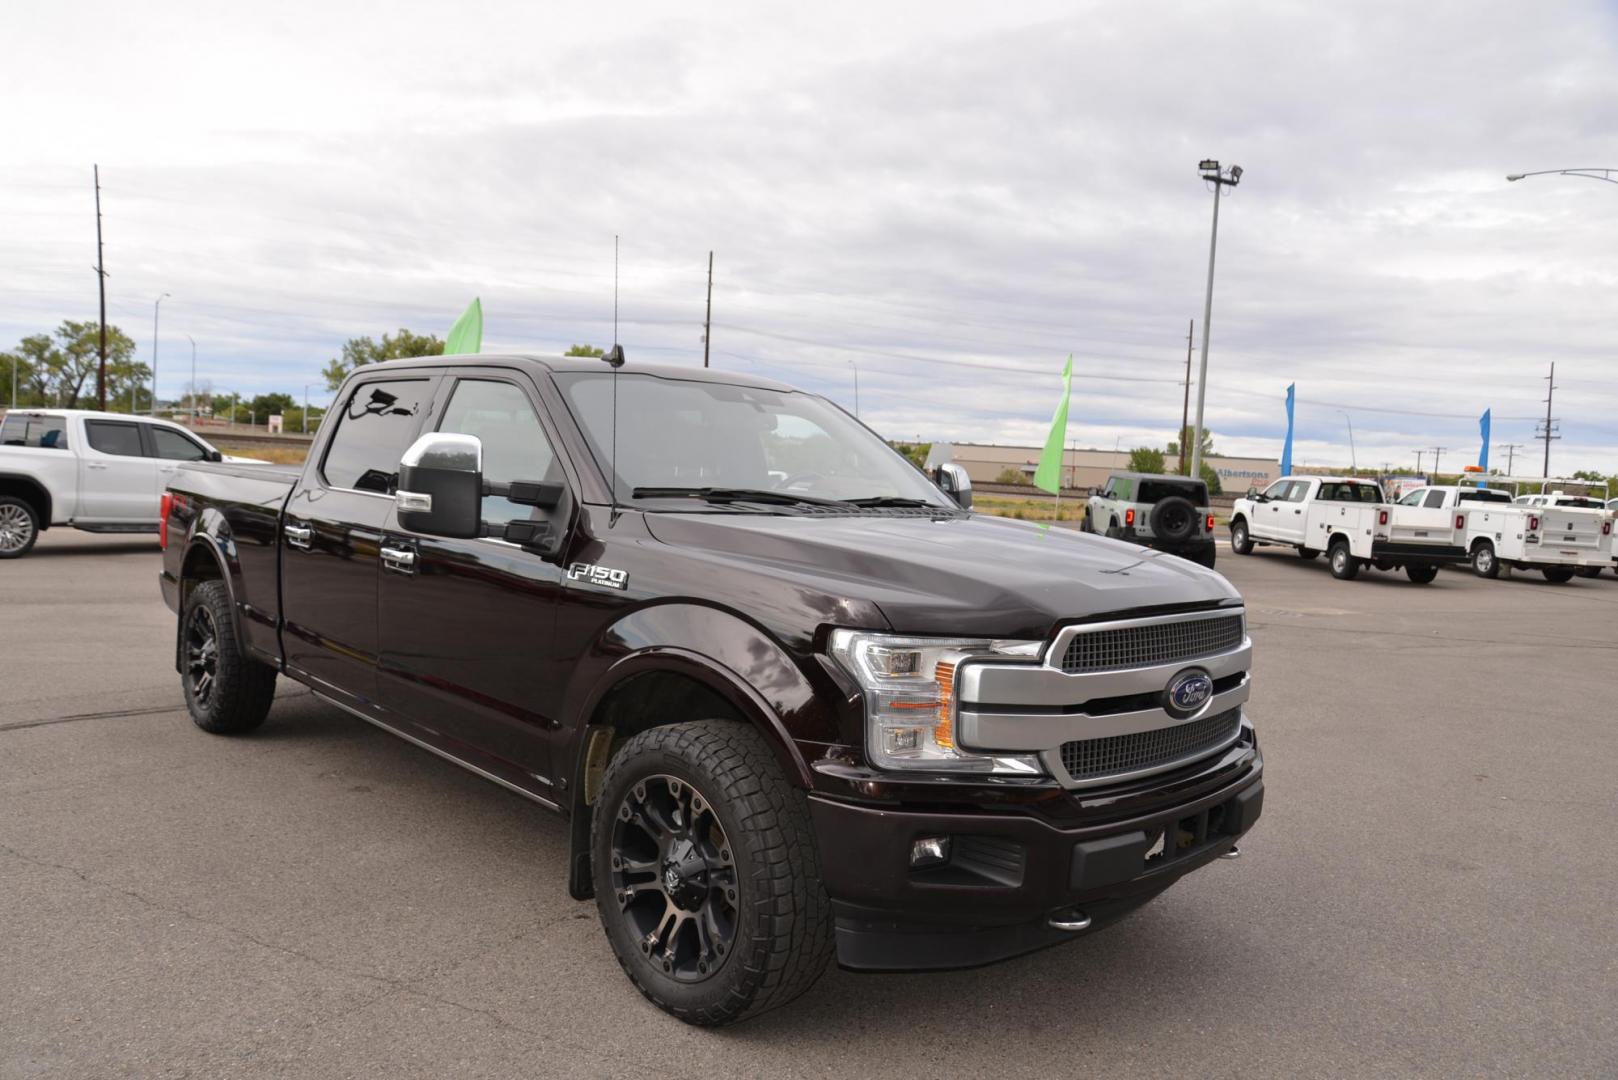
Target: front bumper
x,y
1009,876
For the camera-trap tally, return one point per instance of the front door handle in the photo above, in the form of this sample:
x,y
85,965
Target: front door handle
x,y
1297,511
299,536
96,465
399,560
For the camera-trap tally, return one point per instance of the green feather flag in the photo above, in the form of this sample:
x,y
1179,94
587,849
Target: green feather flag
x,y
1048,477
466,336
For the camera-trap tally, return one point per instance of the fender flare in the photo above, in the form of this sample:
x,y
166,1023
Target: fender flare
x,y
227,573
784,708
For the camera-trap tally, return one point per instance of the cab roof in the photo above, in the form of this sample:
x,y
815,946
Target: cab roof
x,y
594,365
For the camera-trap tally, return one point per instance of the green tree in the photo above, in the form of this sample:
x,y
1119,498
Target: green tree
x,y
1590,475
1146,459
915,453
360,351
60,368
1211,478
1173,450
584,350
266,405
1011,476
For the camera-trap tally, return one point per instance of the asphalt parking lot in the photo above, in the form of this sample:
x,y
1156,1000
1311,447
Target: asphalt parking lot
x,y
1430,891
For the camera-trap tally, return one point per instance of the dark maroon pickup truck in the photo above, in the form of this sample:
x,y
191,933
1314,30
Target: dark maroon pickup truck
x,y
797,702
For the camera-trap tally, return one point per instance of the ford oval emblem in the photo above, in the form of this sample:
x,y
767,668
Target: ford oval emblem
x,y
1187,693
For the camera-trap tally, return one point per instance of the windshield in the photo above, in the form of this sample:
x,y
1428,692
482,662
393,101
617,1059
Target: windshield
x,y
678,433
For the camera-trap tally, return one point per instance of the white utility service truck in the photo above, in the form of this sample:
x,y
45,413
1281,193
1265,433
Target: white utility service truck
x,y
1557,535
1348,519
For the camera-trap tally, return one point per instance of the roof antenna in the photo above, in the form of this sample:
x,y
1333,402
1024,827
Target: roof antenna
x,y
614,358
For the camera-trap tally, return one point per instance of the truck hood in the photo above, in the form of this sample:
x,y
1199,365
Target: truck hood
x,y
971,575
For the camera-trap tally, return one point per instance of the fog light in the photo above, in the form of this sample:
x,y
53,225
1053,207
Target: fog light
x,y
929,850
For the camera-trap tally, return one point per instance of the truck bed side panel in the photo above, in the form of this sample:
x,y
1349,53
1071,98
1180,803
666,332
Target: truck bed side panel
x,y
238,511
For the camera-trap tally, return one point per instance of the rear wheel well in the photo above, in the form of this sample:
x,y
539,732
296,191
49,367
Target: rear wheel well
x,y
1334,538
199,566
1480,541
30,492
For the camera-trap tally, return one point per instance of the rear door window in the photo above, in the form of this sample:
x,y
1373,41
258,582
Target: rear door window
x,y
114,437
1435,499
375,426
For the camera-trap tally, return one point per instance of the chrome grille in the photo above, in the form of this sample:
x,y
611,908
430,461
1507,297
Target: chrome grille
x,y
1111,755
1154,643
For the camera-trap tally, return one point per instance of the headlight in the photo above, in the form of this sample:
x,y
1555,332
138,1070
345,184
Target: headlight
x,y
909,685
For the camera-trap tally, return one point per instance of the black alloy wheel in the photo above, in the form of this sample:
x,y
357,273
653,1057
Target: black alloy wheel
x,y
674,878
1174,519
201,655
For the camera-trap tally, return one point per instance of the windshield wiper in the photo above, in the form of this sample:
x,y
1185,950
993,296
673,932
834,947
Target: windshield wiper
x,y
895,501
734,495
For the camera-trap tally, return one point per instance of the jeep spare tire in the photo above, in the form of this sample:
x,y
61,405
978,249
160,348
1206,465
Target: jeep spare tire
x,y
1174,519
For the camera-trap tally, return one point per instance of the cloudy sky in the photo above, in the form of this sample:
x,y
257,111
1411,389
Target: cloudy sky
x,y
943,199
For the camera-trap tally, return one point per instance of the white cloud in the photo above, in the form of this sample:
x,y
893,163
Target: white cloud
x,y
950,196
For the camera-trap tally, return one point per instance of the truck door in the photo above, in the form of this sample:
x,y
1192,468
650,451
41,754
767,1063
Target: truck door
x,y
1266,514
468,626
117,478
331,535
1289,513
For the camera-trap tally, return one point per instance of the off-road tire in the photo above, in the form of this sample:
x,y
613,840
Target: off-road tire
x,y
1589,571
1421,575
1241,540
1558,575
1174,519
19,527
782,939
1485,563
1306,554
1114,532
238,695
1344,567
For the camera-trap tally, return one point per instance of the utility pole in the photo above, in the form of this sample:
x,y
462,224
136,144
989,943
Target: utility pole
x,y
306,405
1511,453
707,323
1437,450
101,278
1548,425
1185,406
157,309
1418,462
193,342
1221,178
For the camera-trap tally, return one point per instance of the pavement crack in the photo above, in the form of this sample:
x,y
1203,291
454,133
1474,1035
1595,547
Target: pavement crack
x,y
115,714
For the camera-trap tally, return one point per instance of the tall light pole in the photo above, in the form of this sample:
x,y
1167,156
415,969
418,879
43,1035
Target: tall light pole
x,y
306,408
1588,174
856,368
1220,178
1353,461
157,309
193,342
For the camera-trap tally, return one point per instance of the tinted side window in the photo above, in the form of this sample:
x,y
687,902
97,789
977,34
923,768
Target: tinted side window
x,y
111,437
1435,499
514,443
374,428
40,432
1123,488
172,446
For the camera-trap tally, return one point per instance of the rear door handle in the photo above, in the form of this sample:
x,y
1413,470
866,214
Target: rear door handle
x,y
299,536
399,560
97,465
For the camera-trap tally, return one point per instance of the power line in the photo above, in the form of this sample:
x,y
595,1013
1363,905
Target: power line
x,y
1549,428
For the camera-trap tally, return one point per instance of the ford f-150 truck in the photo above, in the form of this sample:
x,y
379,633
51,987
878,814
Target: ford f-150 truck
x,y
795,702
1348,519
95,471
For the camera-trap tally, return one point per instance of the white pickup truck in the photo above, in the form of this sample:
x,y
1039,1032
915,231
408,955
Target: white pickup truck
x,y
1348,519
100,472
1557,535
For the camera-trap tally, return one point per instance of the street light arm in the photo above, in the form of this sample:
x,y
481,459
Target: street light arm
x,y
1588,174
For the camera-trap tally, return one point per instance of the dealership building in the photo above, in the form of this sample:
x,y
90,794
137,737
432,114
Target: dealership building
x,y
1089,468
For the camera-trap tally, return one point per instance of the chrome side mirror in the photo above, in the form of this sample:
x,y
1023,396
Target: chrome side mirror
x,y
955,483
441,486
